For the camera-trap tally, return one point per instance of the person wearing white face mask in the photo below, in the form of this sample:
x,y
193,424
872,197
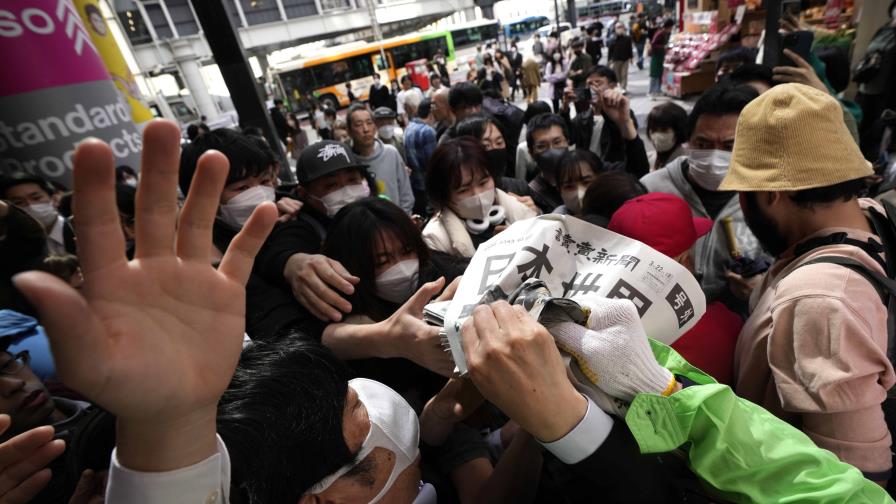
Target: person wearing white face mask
x,y
250,181
667,126
377,242
34,195
696,178
364,435
294,263
469,209
330,177
575,173
388,131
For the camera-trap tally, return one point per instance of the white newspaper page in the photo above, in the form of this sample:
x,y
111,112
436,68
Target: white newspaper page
x,y
579,261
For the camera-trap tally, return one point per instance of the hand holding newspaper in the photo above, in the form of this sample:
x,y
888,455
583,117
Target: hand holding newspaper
x,y
578,262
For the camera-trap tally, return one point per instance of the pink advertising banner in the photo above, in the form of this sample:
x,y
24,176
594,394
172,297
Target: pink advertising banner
x,y
44,45
56,92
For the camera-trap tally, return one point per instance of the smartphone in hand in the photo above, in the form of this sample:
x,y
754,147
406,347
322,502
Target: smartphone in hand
x,y
799,42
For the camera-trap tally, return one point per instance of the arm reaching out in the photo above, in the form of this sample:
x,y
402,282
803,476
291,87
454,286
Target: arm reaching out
x,y
155,340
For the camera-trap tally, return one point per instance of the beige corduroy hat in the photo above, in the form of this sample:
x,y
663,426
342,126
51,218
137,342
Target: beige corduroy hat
x,y
790,138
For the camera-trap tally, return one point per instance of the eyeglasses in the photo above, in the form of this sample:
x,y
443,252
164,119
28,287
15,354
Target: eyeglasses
x,y
14,365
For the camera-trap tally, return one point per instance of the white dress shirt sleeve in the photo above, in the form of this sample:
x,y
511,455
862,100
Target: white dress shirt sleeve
x,y
585,438
207,482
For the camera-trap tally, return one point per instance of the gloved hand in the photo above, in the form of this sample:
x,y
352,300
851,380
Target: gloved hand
x,y
603,400
613,351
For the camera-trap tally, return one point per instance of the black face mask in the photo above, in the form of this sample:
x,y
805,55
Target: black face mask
x,y
763,227
497,162
549,161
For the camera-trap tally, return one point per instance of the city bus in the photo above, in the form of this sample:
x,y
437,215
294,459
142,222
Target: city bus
x,y
477,32
524,27
326,75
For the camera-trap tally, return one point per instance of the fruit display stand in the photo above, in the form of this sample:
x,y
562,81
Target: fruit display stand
x,y
689,66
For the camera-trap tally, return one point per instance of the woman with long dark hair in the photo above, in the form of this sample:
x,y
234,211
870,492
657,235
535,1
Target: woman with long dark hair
x,y
469,209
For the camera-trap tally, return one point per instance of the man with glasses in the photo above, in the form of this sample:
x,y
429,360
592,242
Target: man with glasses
x,y
88,432
547,137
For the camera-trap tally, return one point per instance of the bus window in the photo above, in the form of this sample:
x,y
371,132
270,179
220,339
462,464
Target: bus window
x,y
424,49
378,61
359,67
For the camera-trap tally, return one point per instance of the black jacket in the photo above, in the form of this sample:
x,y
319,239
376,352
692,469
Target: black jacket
x,y
594,48
618,472
545,196
280,124
616,152
620,49
378,97
270,304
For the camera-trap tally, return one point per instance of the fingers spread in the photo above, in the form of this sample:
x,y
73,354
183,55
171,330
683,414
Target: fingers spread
x,y
240,256
98,225
156,204
194,232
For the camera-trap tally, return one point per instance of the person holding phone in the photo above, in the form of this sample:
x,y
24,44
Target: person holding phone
x,y
607,127
804,67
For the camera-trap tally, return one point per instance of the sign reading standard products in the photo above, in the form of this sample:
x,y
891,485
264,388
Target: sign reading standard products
x,y
60,94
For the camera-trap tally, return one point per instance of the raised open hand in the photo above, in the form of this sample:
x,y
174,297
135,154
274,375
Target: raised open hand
x,y
154,340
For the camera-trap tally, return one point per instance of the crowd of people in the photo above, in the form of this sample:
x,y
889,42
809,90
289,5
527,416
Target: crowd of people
x,y
196,330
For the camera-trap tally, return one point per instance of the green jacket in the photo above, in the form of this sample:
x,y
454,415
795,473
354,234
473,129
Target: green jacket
x,y
852,112
740,451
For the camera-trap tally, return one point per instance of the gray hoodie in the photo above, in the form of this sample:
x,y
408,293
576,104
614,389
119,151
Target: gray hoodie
x,y
392,180
711,253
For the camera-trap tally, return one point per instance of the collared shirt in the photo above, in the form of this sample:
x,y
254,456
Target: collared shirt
x,y
596,130
55,238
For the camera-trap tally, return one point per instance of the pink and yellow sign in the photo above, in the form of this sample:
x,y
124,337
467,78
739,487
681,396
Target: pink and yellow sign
x,y
57,92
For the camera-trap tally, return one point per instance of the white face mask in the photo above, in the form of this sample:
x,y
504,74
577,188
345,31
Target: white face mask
x,y
475,206
707,167
387,131
337,199
573,200
664,141
237,211
399,282
393,426
45,213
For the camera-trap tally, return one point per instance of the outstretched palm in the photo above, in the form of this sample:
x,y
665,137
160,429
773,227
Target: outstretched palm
x,y
159,336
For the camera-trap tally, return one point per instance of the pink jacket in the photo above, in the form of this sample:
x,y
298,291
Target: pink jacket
x,y
814,352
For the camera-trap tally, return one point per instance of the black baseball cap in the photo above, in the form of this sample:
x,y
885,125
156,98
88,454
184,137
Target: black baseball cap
x,y
383,113
324,158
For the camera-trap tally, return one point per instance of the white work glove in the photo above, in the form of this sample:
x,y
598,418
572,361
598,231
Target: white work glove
x,y
613,352
603,400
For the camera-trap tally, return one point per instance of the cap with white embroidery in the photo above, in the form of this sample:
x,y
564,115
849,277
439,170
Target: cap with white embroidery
x,y
324,158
